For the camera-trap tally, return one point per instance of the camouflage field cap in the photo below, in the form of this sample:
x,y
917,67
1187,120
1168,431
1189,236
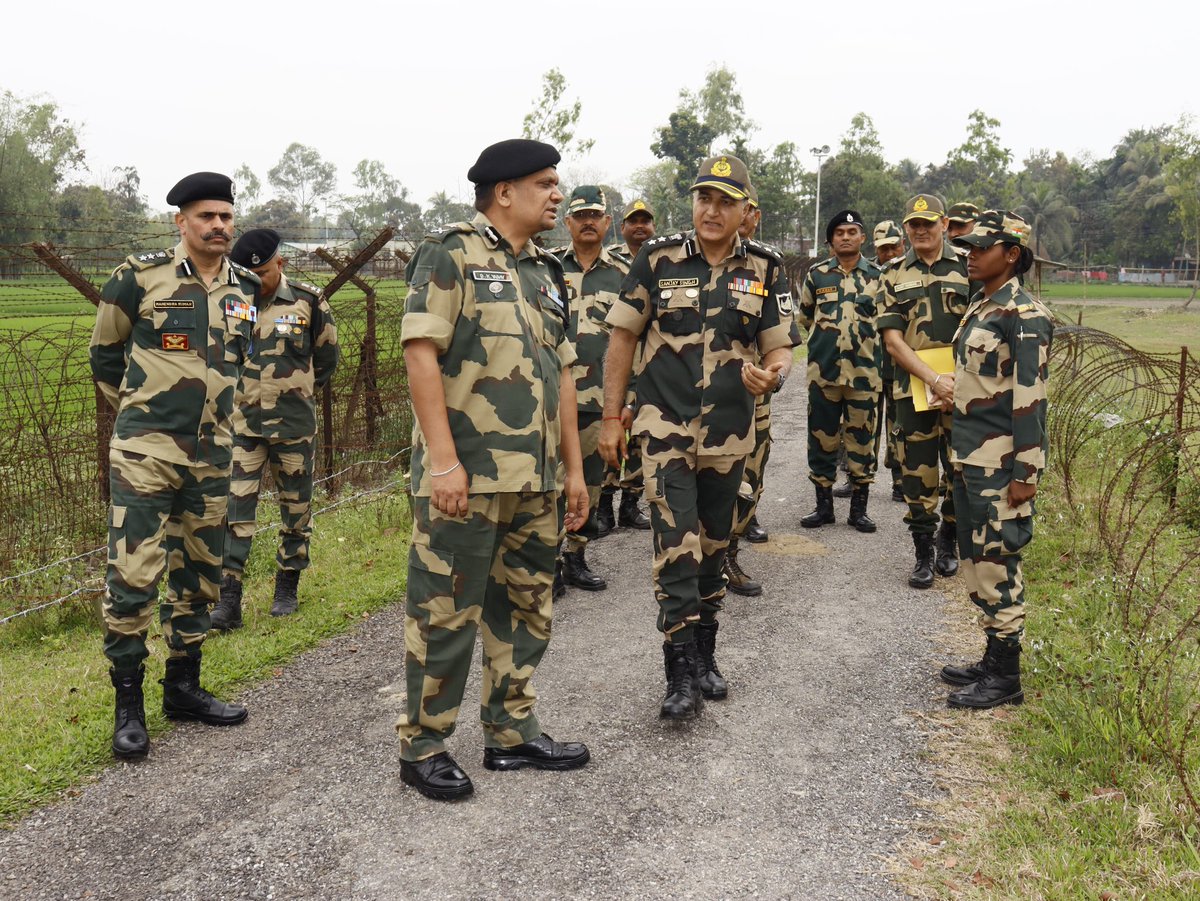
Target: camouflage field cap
x,y
587,197
925,206
637,206
752,195
726,173
963,212
996,226
886,232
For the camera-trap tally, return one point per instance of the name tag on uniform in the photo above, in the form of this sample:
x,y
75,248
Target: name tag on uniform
x,y
240,309
831,289
748,286
489,275
174,305
907,285
678,283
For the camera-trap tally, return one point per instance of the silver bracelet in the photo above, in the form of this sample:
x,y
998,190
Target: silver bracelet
x,y
436,475
933,384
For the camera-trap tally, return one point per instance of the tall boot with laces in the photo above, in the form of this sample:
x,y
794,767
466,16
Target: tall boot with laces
x,y
683,699
712,683
736,579
184,699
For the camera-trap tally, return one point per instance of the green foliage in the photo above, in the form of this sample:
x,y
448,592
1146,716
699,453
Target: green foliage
x,y
554,119
303,177
858,178
381,200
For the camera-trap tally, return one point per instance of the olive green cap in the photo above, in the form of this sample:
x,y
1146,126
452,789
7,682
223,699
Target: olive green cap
x,y
963,212
637,206
925,206
726,173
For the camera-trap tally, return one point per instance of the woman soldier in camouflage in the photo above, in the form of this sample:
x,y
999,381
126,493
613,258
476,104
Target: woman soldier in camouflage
x,y
998,448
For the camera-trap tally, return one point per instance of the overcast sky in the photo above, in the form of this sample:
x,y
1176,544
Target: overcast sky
x,y
175,88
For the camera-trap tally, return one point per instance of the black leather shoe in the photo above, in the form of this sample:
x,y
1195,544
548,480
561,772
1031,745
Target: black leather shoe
x,y
437,777
972,672
858,509
629,515
227,614
947,550
755,533
1001,682
683,699
823,513
543,753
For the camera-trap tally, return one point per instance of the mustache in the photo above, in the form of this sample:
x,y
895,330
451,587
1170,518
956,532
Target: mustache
x,y
215,233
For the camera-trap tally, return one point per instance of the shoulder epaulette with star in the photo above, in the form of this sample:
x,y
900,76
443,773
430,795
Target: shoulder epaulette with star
x,y
149,259
447,230
666,241
764,250
306,287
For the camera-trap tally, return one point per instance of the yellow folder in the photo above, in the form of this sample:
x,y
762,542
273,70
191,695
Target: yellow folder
x,y
941,360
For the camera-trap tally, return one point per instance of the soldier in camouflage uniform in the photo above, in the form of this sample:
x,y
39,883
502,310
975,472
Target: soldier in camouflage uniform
x,y
637,227
275,423
923,296
960,219
489,363
706,304
594,279
889,245
837,309
999,448
172,334
745,514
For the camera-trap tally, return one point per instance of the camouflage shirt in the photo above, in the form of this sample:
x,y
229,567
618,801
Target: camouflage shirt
x,y
700,324
590,295
1000,373
837,308
495,316
167,351
621,249
295,350
925,302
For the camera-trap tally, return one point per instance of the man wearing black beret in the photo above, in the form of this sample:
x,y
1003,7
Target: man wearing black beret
x,y
275,422
172,335
489,371
837,309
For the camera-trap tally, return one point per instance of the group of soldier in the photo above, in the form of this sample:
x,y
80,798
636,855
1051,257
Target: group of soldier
x,y
544,381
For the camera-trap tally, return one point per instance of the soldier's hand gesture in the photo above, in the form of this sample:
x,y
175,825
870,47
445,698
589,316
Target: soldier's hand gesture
x,y
760,381
450,491
943,390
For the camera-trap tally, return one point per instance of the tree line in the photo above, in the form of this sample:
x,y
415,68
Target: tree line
x,y
1137,206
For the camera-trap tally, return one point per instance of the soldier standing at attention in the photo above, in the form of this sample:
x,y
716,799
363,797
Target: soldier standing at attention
x,y
745,514
999,438
707,304
594,277
960,219
637,227
489,367
275,423
837,309
889,245
172,335
923,297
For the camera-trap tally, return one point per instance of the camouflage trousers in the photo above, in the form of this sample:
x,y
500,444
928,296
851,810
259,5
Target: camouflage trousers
x,y
594,472
291,462
885,427
840,415
691,500
924,443
991,536
751,488
490,571
164,516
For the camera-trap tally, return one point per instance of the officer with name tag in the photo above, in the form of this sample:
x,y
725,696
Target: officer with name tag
x,y
275,423
173,331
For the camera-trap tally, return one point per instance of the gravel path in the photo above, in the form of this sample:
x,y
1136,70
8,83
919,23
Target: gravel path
x,y
796,786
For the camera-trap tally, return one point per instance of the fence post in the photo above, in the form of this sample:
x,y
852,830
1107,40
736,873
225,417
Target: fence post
x,y
1180,398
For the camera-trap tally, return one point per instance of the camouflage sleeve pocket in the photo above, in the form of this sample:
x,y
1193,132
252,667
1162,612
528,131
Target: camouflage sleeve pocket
x,y
954,298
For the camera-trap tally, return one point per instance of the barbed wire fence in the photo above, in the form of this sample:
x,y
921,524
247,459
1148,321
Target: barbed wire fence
x,y
1125,436
55,427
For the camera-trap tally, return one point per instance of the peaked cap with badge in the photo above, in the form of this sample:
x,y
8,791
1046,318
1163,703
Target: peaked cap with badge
x,y
1000,227
726,173
925,206
201,186
637,206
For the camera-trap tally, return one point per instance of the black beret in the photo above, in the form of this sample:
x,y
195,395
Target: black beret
x,y
201,186
255,247
845,217
511,159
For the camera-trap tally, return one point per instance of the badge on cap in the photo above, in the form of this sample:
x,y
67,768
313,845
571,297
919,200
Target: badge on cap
x,y
920,206
721,168
849,218
638,205
254,259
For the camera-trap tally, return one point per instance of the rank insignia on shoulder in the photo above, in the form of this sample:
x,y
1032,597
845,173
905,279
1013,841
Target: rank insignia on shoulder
x,y
151,258
305,286
174,341
785,303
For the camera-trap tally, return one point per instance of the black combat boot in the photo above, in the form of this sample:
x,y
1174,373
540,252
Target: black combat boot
x,y
129,739
922,574
285,602
683,699
712,683
1001,681
737,580
965,675
184,699
823,514
577,573
227,613
629,514
604,512
947,550
755,533
560,587
897,485
845,489
858,509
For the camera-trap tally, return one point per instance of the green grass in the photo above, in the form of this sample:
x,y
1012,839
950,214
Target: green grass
x,y
56,721
1066,291
1161,330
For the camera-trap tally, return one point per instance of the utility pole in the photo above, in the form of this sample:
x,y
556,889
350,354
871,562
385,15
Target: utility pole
x,y
820,153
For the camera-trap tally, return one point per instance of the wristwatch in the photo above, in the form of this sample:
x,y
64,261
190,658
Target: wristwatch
x,y
779,384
